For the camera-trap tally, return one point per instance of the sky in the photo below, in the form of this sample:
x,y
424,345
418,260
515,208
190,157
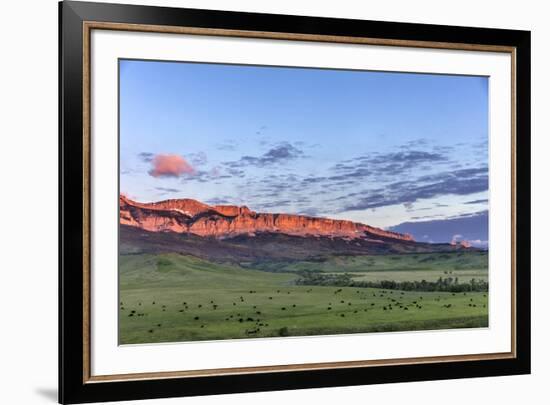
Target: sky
x,y
385,149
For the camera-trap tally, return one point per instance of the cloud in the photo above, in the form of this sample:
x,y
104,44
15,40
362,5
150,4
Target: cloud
x,y
477,201
414,143
272,204
261,130
381,166
417,170
198,159
170,166
227,145
280,153
236,172
167,189
408,158
479,243
218,201
385,170
309,211
146,156
460,182
456,238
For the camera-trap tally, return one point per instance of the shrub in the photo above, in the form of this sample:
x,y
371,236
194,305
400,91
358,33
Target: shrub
x,y
163,264
283,331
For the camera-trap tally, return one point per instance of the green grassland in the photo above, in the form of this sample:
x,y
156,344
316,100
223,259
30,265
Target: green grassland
x,y
439,262
168,297
463,276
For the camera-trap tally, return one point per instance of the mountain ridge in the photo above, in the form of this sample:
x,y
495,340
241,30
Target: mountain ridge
x,y
189,216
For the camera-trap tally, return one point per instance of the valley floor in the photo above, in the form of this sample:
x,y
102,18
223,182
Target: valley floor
x,y
172,298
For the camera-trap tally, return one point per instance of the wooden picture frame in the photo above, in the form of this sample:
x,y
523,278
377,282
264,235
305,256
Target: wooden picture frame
x,y
76,382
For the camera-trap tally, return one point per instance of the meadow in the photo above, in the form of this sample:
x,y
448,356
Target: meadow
x,y
169,297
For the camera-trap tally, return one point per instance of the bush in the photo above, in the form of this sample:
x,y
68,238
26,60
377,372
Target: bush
x,y
283,331
163,264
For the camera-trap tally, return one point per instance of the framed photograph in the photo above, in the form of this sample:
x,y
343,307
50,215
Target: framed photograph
x,y
255,202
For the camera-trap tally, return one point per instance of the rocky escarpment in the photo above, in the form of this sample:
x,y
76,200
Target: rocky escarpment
x,y
221,221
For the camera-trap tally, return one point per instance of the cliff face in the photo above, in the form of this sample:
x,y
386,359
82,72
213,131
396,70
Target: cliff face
x,y
220,221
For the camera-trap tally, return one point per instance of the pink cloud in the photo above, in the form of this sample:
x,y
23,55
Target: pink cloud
x,y
170,166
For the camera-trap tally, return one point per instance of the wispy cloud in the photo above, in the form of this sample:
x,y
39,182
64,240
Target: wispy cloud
x,y
460,182
388,164
168,189
397,178
261,130
198,159
146,156
227,145
414,171
483,201
219,201
280,153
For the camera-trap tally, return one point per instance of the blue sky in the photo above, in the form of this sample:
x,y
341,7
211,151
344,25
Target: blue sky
x,y
379,148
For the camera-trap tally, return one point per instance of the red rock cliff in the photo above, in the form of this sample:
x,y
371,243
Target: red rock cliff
x,y
191,216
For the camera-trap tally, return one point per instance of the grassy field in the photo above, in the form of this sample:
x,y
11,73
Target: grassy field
x,y
463,276
440,262
171,297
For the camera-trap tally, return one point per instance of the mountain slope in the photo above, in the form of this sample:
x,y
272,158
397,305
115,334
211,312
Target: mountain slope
x,y
474,228
275,249
222,221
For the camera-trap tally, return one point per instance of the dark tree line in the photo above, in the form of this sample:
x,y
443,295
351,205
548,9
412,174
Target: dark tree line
x,y
448,284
